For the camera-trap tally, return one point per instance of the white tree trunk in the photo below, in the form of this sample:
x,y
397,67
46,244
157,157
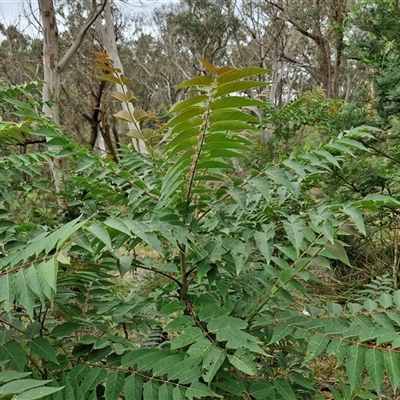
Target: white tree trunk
x,y
100,146
51,87
52,66
107,35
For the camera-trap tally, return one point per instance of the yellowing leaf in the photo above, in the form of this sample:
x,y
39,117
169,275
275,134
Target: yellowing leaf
x,y
135,134
208,66
124,115
130,97
110,78
140,114
119,96
125,81
106,67
225,70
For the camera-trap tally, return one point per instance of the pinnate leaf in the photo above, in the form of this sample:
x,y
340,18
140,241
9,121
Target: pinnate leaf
x,y
354,364
101,233
13,352
226,322
280,332
375,367
338,252
261,390
23,293
284,389
38,393
7,376
114,384
133,387
243,361
294,228
150,390
391,360
198,390
212,361
43,348
316,346
165,391
93,378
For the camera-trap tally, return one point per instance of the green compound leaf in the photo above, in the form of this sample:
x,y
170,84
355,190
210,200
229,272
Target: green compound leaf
x,y
20,385
133,387
165,391
150,390
114,384
226,322
23,293
93,378
198,390
38,393
354,364
212,361
375,367
281,331
284,389
316,346
243,361
7,376
261,390
391,360
338,252
15,354
43,348
294,228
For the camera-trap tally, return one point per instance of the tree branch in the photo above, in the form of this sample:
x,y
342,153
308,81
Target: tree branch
x,y
316,38
93,15
26,142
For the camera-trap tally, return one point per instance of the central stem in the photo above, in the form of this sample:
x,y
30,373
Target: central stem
x,y
182,265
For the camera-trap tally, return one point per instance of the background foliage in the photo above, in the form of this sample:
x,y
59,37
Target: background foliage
x,y
250,252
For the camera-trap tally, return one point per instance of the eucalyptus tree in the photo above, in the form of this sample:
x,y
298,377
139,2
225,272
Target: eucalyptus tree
x,y
321,25
20,55
267,41
205,27
53,64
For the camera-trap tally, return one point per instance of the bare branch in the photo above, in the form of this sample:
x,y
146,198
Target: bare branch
x,y
93,15
316,38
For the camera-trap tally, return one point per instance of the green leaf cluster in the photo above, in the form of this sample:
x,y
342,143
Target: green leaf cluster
x,y
229,254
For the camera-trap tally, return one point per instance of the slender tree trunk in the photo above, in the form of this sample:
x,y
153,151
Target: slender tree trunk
x,y
51,87
53,66
100,145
